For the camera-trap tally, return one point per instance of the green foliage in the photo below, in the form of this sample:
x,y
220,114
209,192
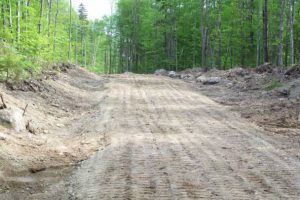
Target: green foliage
x,y
11,62
144,35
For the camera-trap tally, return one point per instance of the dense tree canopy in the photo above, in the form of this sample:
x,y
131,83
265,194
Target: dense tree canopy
x,y
144,35
178,34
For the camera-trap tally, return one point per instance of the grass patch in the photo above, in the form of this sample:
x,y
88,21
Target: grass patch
x,y
275,83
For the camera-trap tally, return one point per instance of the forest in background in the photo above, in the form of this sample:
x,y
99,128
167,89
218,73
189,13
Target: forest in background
x,y
144,35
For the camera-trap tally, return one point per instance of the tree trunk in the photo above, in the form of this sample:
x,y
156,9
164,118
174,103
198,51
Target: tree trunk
x,y
26,13
70,30
219,59
281,28
266,27
10,16
49,19
203,35
18,20
3,8
258,41
41,16
55,25
291,24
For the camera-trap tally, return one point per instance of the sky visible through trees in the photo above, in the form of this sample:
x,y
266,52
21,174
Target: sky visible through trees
x,y
144,35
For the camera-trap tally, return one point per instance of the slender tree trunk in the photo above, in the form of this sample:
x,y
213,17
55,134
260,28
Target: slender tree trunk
x,y
18,20
3,11
26,13
55,25
70,30
291,24
281,28
203,35
258,41
219,60
75,44
194,47
49,19
41,16
266,27
10,16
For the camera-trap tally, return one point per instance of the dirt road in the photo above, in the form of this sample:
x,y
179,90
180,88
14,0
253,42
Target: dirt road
x,y
163,140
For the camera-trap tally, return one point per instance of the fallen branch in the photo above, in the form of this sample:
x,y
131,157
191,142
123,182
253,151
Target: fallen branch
x,y
3,103
25,109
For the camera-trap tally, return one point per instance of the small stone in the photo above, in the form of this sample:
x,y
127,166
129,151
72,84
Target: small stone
x,y
60,125
201,79
46,131
12,118
2,136
32,127
187,76
172,74
212,80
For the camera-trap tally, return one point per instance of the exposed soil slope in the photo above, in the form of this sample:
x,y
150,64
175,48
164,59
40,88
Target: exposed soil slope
x,y
62,112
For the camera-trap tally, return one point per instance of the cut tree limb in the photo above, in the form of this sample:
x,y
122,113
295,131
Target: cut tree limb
x,y
3,103
25,109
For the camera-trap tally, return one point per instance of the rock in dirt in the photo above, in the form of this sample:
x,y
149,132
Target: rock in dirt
x,y
12,118
201,79
161,72
187,76
2,136
172,74
33,128
209,80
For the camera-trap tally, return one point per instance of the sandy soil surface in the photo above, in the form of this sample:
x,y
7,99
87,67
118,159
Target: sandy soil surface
x,y
159,138
62,112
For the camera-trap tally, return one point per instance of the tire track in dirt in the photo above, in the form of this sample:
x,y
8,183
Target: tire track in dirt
x,y
169,142
287,173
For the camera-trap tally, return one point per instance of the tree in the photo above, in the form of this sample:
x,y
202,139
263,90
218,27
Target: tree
x,y
83,28
291,24
41,16
266,26
70,30
281,28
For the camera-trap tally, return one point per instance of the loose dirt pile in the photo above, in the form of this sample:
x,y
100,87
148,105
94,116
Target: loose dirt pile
x,y
56,106
266,95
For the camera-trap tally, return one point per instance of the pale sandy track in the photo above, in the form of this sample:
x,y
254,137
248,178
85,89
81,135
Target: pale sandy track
x,y
166,141
169,142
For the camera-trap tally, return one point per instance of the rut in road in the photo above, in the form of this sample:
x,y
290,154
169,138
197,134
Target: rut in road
x,y
166,141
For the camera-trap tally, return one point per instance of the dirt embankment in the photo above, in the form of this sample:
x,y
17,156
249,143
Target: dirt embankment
x,y
265,95
58,133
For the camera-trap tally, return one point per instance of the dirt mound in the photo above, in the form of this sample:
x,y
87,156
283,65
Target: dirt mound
x,y
64,67
59,120
294,71
27,85
38,85
258,94
265,68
